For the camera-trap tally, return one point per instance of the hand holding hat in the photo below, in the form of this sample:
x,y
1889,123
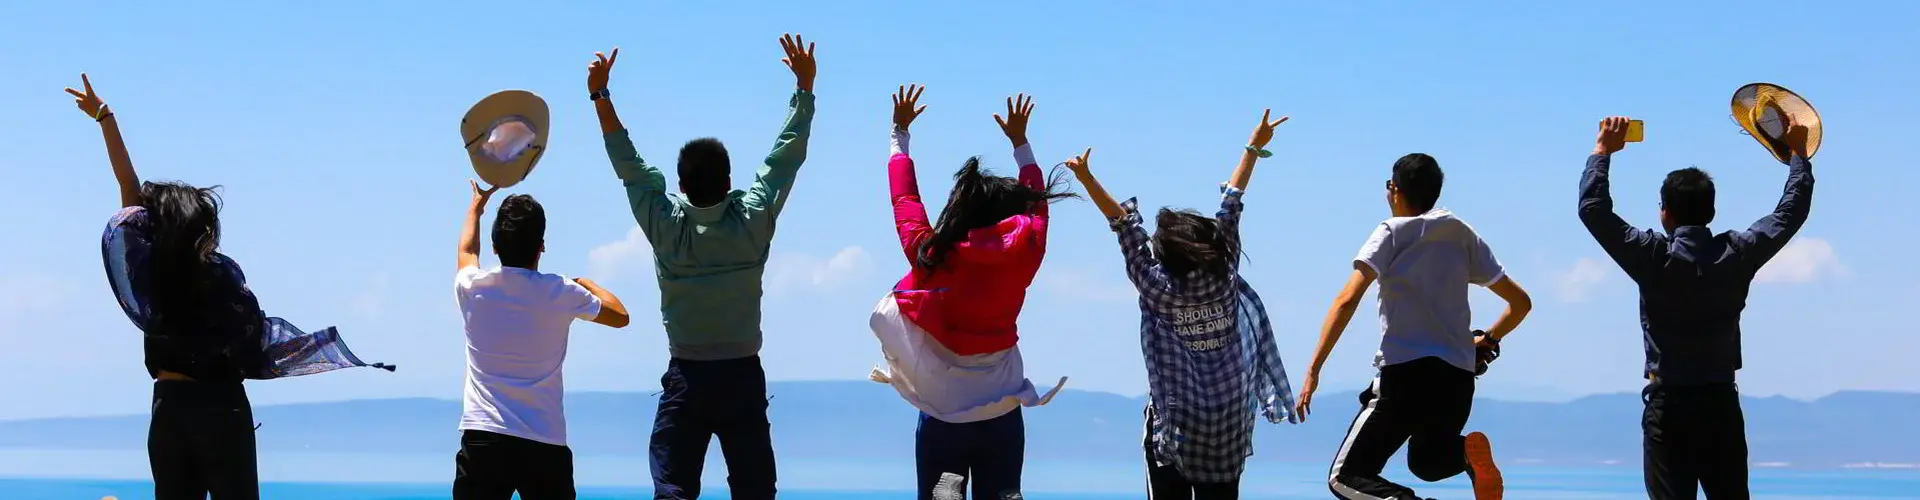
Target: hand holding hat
x,y
1779,119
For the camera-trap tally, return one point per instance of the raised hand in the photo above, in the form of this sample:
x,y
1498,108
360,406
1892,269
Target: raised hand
x,y
800,59
480,195
89,102
600,70
1793,142
904,101
1078,164
1612,137
1263,132
1019,109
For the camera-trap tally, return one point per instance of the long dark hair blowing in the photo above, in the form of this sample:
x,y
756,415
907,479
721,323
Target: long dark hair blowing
x,y
1186,242
184,222
981,199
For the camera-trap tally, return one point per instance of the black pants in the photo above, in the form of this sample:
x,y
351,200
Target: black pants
x,y
989,455
1423,404
700,400
1164,482
1694,438
201,442
493,466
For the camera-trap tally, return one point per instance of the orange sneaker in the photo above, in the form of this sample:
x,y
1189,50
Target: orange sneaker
x,y
1487,484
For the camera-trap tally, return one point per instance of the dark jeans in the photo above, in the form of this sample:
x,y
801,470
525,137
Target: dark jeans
x,y
1694,438
493,466
1423,404
989,454
201,442
703,399
1164,482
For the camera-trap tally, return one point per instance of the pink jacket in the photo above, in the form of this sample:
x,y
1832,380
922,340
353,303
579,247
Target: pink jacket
x,y
972,302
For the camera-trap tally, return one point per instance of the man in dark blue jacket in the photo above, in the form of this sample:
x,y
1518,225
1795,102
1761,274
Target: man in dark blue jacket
x,y
1693,285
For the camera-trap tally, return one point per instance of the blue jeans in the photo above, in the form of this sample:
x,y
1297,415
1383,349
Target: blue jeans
x,y
703,399
989,453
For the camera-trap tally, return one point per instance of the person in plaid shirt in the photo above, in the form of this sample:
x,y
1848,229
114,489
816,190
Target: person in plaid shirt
x,y
1424,259
1209,348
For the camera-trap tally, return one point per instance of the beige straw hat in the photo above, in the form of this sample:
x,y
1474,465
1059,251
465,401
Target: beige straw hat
x,y
1759,106
505,134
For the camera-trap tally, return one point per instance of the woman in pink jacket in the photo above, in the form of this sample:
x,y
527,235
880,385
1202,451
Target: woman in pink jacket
x,y
947,329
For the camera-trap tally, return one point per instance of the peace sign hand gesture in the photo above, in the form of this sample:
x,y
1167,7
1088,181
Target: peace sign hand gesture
x,y
904,110
1019,109
799,59
1263,133
600,70
89,102
1079,164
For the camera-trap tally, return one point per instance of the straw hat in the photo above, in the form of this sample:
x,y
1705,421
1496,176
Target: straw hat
x,y
505,134
1757,106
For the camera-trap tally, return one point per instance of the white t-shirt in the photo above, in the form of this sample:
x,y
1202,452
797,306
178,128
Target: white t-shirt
x,y
1425,265
517,321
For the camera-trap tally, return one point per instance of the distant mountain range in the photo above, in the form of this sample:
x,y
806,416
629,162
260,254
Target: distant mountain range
x,y
859,419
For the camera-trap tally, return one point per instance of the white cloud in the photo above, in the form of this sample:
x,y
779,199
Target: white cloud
x,y
1576,284
1803,260
789,272
371,300
24,294
629,255
1078,284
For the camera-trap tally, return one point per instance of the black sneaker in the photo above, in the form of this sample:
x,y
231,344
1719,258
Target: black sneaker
x,y
1484,355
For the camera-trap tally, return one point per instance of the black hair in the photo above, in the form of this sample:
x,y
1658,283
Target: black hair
x,y
184,222
981,199
1418,178
1687,197
519,231
1186,241
705,172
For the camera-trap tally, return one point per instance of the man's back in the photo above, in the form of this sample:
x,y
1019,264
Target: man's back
x,y
1425,265
1693,283
517,322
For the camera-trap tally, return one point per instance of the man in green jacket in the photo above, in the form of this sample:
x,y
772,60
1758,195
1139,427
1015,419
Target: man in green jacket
x,y
710,246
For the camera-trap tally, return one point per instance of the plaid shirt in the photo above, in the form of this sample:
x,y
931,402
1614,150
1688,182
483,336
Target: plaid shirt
x,y
1211,359
238,341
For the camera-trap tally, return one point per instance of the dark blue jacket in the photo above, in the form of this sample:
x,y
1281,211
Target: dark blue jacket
x,y
1693,283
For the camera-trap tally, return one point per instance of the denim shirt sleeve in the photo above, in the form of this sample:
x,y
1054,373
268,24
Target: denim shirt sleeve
x,y
1770,234
1632,248
124,248
1142,268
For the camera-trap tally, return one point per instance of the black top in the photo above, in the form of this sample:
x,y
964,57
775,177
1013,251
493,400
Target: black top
x,y
1693,283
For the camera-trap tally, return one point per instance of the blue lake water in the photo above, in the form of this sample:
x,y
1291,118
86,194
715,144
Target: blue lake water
x,y
90,475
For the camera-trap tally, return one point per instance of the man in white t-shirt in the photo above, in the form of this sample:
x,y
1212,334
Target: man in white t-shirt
x,y
513,425
1425,259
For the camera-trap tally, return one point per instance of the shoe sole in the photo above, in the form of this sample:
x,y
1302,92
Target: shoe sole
x,y
1487,483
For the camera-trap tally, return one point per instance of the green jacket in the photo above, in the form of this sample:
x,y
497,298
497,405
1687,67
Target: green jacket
x,y
710,259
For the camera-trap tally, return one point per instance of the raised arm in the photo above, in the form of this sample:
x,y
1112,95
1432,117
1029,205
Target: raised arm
x,y
1770,234
95,108
909,213
1109,208
646,186
1125,220
775,178
468,254
1632,248
1256,149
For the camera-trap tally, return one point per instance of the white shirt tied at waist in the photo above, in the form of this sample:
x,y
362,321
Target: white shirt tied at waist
x,y
946,386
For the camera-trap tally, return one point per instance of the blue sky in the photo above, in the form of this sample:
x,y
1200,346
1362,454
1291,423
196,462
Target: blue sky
x,y
332,127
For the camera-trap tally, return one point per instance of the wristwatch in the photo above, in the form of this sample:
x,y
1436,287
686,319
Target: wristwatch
x,y
599,94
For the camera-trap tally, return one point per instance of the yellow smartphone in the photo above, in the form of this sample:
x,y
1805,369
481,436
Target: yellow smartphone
x,y
1636,130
